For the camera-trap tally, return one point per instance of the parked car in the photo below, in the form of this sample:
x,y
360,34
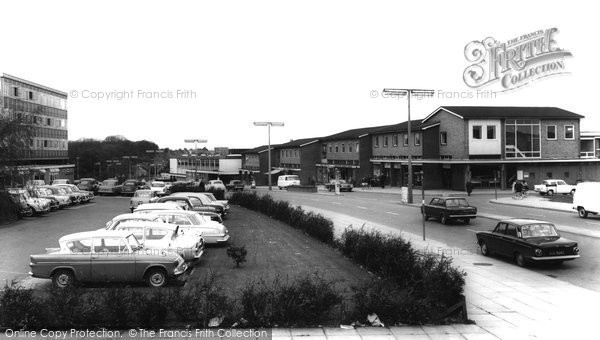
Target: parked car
x,y
141,197
235,185
526,241
115,221
213,232
130,186
447,209
38,206
110,187
63,199
285,181
554,186
344,186
215,184
61,181
21,201
150,207
74,198
164,237
86,196
41,194
187,203
200,202
213,199
160,188
99,256
89,184
585,199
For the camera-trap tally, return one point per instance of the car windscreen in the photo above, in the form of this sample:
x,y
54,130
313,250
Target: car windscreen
x,y
538,230
109,182
85,182
457,202
292,178
158,184
133,242
143,194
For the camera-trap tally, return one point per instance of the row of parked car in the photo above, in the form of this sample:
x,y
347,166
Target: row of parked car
x,y
155,243
38,198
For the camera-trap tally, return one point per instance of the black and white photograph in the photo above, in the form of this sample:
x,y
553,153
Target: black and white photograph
x,y
295,170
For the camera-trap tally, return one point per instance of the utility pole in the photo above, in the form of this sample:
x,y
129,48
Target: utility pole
x,y
268,125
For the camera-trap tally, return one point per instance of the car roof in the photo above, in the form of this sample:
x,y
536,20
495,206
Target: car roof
x,y
141,216
525,221
144,190
162,205
95,233
449,197
151,224
177,211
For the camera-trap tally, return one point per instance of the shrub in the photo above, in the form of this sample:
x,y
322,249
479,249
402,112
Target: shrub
x,y
314,225
9,210
20,309
304,301
238,254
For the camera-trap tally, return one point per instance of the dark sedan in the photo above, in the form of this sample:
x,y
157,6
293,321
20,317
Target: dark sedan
x,y
187,203
526,241
130,186
447,209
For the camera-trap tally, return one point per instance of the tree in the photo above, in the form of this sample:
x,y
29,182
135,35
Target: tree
x,y
15,137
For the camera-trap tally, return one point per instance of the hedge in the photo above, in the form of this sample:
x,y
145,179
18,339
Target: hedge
x,y
9,210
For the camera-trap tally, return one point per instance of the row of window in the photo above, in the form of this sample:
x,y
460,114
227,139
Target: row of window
x,y
39,97
20,105
385,144
42,120
551,132
343,147
289,153
48,144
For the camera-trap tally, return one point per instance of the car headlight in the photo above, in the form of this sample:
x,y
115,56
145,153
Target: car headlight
x,y
538,252
576,250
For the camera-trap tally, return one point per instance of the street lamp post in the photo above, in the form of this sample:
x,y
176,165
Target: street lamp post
x,y
154,152
408,93
130,158
268,125
195,141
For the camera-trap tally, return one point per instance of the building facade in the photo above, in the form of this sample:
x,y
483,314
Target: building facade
x,y
45,109
300,157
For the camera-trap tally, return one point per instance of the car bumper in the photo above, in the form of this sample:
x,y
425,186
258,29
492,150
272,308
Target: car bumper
x,y
555,258
463,216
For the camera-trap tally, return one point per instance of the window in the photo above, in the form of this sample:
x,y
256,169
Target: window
x,y
45,143
330,148
343,147
476,131
30,95
548,175
337,148
324,148
569,132
522,138
349,147
356,147
566,174
443,138
385,141
417,138
395,140
15,91
532,175
376,141
491,132
551,132
48,121
405,139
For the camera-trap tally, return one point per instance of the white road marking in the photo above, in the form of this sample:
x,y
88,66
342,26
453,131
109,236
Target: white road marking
x,y
359,207
594,223
336,203
392,213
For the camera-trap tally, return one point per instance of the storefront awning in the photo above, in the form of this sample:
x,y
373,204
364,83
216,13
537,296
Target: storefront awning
x,y
274,172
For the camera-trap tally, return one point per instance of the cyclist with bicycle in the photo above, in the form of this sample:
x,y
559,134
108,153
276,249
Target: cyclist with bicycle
x,y
518,189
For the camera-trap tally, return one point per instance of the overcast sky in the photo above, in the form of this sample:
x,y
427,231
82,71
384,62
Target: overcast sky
x,y
311,64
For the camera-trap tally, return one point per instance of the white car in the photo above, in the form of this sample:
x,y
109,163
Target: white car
x,y
216,184
160,188
286,180
212,232
141,197
585,200
167,238
112,224
150,207
554,186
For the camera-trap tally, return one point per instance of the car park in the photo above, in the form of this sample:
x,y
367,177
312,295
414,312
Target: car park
x,y
235,185
287,180
213,232
554,186
216,184
105,256
109,187
344,186
585,199
88,184
130,186
160,188
526,240
142,197
38,206
162,237
202,203
447,209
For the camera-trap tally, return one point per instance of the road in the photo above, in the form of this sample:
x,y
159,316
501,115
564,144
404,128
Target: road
x,y
387,209
33,235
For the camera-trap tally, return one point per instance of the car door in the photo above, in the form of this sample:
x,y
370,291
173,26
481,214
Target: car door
x,y
562,187
431,208
508,240
494,239
111,260
80,258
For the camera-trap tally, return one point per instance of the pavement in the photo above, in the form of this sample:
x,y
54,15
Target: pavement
x,y
505,301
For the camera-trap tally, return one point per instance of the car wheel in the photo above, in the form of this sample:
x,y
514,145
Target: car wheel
x,y
582,213
572,192
520,260
156,277
550,192
485,251
29,213
444,219
467,220
63,278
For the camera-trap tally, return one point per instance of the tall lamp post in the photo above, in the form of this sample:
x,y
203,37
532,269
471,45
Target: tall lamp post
x,y
268,125
408,93
154,152
195,141
130,158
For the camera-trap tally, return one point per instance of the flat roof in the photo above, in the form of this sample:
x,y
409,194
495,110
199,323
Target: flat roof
x,y
21,80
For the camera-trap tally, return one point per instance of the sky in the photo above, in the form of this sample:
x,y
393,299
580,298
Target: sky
x,y
169,71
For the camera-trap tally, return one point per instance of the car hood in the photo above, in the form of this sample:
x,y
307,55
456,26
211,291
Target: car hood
x,y
551,241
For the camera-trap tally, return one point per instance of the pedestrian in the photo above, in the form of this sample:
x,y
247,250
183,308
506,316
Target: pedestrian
x,y
518,188
382,181
469,187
